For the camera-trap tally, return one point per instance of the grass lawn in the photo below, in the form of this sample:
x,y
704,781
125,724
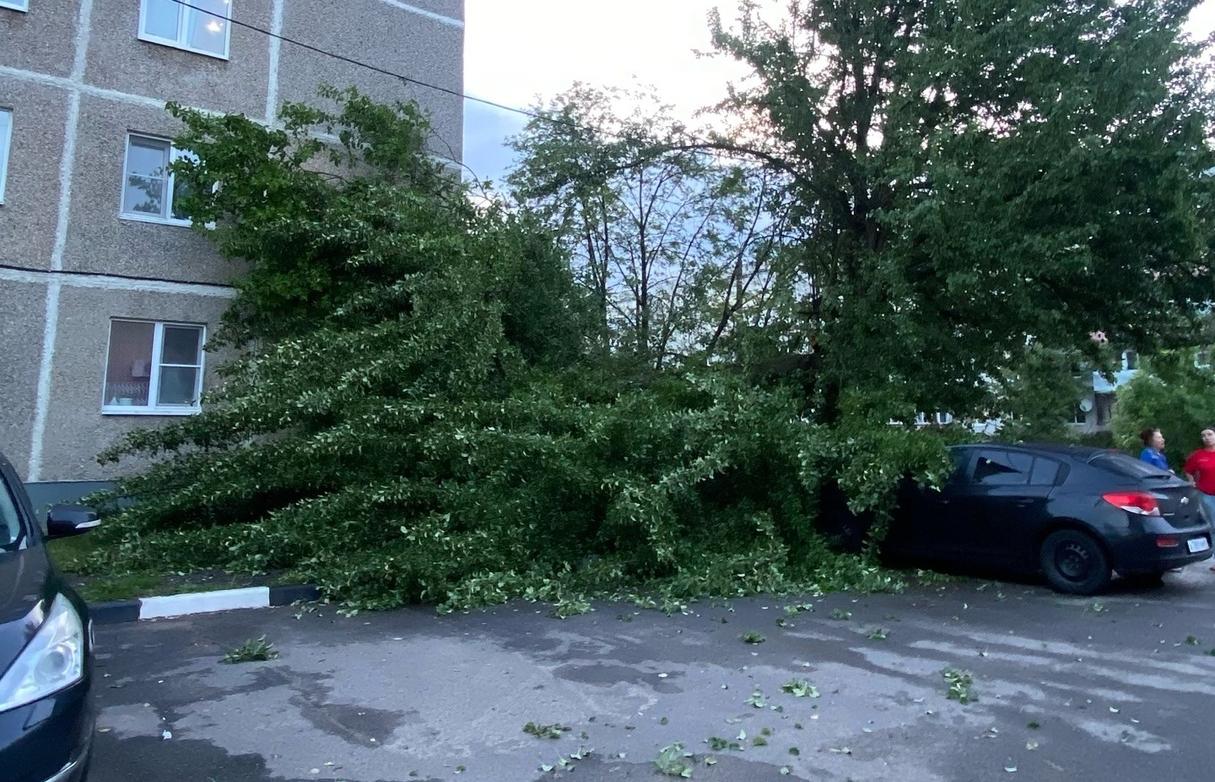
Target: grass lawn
x,y
70,554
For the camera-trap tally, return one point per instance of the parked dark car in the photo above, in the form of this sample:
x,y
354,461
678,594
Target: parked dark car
x,y
1077,515
46,646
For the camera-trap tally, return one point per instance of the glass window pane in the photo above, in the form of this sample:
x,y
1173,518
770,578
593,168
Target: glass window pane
x,y
177,386
180,191
160,18
6,130
180,345
146,177
1046,472
1002,468
143,196
10,522
147,156
129,364
208,31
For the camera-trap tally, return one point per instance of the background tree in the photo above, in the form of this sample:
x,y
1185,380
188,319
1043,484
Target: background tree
x,y
675,246
970,176
1170,393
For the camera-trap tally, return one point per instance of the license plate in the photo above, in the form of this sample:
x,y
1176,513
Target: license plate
x,y
1196,545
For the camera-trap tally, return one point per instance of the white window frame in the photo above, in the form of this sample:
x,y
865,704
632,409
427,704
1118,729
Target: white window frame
x,y
1202,357
16,5
6,146
183,16
152,408
175,154
943,418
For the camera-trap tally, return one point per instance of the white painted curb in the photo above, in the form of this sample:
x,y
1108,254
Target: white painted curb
x,y
204,602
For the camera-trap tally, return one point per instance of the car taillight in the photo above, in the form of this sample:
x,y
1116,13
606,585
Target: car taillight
x,y
1133,502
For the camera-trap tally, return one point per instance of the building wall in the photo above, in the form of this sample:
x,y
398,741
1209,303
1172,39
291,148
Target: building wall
x,y
80,430
23,305
78,79
31,193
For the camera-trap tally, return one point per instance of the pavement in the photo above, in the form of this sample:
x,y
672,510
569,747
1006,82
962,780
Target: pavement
x,y
1115,687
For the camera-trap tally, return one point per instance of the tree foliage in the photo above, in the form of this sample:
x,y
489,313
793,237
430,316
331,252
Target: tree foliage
x,y
659,368
1171,394
675,247
970,176
412,411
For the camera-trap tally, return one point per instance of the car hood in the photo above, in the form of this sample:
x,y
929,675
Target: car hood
x,y
26,582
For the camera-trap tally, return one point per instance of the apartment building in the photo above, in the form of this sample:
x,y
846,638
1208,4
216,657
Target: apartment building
x,y
106,295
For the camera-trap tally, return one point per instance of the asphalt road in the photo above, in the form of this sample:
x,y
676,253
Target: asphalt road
x,y
1120,687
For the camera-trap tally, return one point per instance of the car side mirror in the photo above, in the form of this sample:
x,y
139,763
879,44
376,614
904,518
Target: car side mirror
x,y
63,521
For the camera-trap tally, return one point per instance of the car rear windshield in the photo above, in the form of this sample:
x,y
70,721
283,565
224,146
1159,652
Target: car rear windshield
x,y
1127,467
10,522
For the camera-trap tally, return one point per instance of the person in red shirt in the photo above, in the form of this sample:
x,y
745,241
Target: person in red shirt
x,y
1200,468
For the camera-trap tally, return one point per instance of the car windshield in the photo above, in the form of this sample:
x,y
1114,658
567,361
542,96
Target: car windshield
x,y
10,521
1126,466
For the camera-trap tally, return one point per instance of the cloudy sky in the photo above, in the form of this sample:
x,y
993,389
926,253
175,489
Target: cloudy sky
x,y
519,50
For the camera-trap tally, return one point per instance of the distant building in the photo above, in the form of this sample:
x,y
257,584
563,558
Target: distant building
x,y
107,297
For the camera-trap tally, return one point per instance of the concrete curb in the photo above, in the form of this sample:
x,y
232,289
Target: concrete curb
x,y
161,607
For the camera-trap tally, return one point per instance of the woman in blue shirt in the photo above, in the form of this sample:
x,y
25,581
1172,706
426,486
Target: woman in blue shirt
x,y
1153,449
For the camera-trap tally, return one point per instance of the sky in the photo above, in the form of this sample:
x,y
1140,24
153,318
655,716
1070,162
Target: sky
x,y
519,51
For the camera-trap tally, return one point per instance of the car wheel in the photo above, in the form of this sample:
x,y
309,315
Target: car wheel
x,y
1074,563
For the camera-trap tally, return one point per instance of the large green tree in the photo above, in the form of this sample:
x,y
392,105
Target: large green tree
x,y
411,409
675,247
971,176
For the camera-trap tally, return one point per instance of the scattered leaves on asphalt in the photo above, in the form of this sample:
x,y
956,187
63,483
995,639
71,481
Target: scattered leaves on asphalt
x,y
799,688
757,700
1191,641
1096,607
759,741
752,637
553,731
1033,725
878,634
254,650
674,762
839,613
718,744
960,683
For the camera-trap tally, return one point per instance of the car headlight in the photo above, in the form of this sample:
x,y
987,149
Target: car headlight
x,y
52,660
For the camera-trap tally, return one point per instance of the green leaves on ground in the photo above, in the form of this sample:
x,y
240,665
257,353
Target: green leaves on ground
x,y
752,637
542,731
254,650
799,688
960,683
674,762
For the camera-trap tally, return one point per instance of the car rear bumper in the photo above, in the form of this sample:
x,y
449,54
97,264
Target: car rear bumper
x,y
49,740
1142,554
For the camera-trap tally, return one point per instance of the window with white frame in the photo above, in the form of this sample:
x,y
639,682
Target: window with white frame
x,y
944,419
6,138
200,26
153,368
149,187
16,5
1202,359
